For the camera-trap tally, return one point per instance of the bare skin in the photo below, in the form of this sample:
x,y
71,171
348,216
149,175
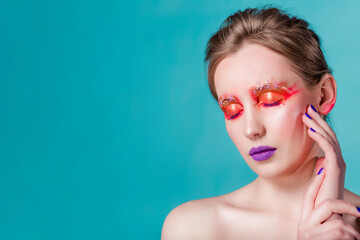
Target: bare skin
x,y
237,216
288,200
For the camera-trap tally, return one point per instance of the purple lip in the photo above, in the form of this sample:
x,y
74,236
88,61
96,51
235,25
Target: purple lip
x,y
262,153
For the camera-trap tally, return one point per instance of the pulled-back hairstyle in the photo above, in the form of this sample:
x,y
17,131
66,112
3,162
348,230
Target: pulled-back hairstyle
x,y
272,28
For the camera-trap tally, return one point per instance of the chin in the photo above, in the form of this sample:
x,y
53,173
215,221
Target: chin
x,y
271,169
270,175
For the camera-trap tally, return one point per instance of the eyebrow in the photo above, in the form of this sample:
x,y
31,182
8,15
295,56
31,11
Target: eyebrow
x,y
226,100
279,86
269,84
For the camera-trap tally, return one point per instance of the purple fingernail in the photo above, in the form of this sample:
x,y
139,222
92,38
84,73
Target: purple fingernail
x,y
358,208
312,129
320,171
308,115
313,108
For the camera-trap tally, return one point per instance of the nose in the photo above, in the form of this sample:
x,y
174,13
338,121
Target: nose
x,y
253,125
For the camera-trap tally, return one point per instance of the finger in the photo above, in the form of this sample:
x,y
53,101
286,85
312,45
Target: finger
x,y
309,198
337,229
353,232
329,207
339,225
333,236
317,118
312,124
321,127
329,150
319,163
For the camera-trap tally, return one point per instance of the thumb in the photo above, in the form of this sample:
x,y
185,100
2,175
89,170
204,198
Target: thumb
x,y
319,164
308,203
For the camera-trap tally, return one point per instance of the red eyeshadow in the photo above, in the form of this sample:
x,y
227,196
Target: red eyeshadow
x,y
279,87
231,106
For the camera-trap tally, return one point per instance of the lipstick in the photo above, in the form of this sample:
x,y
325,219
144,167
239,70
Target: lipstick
x,y
262,153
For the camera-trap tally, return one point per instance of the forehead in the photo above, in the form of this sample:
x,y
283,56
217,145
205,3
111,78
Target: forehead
x,y
252,66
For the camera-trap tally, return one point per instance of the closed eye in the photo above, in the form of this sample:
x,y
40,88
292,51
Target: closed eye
x,y
233,110
270,99
271,104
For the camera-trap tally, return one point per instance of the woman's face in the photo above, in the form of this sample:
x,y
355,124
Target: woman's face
x,y
263,100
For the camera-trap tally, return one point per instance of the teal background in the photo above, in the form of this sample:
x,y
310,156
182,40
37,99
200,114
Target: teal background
x,y
106,121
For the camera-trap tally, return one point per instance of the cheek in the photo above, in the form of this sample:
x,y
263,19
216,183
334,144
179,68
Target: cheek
x,y
288,122
231,130
235,133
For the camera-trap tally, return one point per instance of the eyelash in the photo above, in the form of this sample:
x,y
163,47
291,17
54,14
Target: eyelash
x,y
274,104
235,115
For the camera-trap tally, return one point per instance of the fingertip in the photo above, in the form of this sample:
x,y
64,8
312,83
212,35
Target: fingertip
x,y
319,164
308,109
320,171
313,108
311,132
357,210
303,116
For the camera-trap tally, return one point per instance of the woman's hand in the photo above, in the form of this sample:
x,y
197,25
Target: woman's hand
x,y
323,198
333,163
314,221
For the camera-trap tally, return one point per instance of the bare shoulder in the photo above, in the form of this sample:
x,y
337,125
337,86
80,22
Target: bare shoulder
x,y
191,220
208,218
351,197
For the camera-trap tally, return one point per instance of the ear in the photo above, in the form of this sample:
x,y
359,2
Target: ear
x,y
327,93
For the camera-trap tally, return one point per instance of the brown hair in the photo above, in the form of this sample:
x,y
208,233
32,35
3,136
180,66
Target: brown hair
x,y
272,28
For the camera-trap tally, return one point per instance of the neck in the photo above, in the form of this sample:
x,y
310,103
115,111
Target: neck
x,y
283,195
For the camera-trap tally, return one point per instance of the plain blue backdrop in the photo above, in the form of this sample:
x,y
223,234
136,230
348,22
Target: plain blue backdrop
x,y
106,121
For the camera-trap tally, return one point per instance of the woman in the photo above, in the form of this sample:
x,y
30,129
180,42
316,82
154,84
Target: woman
x,y
271,80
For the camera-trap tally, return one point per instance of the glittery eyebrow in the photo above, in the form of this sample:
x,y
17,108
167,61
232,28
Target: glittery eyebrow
x,y
272,84
256,91
226,100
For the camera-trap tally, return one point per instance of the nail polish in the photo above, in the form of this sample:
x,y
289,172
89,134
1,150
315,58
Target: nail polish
x,y
312,129
320,171
358,208
308,115
313,108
